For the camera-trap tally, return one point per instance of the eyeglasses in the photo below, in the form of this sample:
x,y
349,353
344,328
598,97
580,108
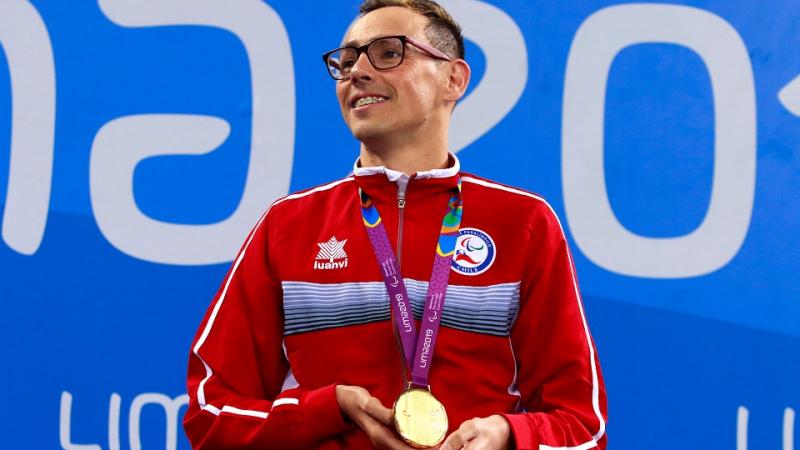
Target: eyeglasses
x,y
383,53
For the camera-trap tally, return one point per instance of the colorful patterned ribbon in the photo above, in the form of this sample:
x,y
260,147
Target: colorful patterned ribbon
x,y
403,315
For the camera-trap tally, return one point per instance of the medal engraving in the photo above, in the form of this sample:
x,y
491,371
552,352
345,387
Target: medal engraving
x,y
419,418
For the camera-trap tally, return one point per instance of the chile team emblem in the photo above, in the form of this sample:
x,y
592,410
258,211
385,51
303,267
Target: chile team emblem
x,y
474,253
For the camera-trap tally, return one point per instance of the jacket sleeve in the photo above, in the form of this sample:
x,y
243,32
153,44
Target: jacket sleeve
x,y
559,378
241,391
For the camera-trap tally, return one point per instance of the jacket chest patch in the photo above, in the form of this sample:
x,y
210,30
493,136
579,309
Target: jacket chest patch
x,y
331,255
474,252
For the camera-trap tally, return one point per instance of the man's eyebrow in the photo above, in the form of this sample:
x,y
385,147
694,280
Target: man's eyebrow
x,y
354,42
350,43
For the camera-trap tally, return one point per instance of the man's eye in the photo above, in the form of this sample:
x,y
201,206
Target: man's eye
x,y
390,54
347,64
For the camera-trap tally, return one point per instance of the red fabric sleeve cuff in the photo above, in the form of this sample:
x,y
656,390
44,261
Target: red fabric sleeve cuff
x,y
521,430
324,415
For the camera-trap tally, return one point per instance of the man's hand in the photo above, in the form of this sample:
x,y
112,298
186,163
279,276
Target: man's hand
x,y
489,433
370,415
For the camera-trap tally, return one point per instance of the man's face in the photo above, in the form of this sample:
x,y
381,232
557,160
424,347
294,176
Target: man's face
x,y
410,94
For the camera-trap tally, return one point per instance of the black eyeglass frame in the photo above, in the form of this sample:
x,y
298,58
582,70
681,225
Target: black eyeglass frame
x,y
429,49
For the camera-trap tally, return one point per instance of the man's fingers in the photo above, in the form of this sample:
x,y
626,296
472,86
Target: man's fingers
x,y
453,442
479,443
375,409
371,416
461,437
381,437
491,433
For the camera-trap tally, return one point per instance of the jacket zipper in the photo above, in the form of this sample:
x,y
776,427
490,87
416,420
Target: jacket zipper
x,y
401,206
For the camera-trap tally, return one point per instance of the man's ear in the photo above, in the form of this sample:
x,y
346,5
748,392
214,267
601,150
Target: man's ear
x,y
458,80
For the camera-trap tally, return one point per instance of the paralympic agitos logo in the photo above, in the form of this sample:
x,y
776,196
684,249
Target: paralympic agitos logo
x,y
475,252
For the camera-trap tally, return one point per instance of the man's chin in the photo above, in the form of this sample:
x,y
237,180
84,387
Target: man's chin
x,y
370,133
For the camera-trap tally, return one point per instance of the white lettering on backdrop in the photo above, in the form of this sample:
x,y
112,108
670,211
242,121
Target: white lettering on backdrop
x,y
265,40
597,231
170,406
505,74
742,418
789,96
26,43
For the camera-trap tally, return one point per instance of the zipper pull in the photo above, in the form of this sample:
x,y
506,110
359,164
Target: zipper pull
x,y
401,201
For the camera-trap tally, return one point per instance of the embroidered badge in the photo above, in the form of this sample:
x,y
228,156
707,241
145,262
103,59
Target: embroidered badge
x,y
331,255
475,252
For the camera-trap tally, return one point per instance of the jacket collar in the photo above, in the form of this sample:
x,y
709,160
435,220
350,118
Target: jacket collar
x,y
394,175
374,180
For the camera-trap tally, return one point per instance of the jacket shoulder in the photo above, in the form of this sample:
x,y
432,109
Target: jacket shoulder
x,y
503,192
527,205
322,192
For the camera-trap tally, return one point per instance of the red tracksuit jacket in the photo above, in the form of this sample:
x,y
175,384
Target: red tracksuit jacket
x,y
304,308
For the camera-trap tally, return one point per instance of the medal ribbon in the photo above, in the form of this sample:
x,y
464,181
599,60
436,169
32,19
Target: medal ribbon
x,y
416,348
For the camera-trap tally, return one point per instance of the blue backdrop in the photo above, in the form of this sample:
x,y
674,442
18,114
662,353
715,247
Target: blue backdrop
x,y
141,139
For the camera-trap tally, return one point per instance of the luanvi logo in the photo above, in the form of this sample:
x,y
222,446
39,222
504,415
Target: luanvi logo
x,y
331,255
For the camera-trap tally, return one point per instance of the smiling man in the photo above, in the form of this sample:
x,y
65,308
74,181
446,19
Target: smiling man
x,y
409,305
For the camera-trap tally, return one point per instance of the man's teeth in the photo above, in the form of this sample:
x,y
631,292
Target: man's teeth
x,y
368,101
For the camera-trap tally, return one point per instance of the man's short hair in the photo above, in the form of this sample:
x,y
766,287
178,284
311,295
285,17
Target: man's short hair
x,y
442,31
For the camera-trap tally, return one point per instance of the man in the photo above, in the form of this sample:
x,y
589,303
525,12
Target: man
x,y
307,343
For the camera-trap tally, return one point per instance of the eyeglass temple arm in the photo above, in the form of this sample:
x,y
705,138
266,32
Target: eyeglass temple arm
x,y
433,51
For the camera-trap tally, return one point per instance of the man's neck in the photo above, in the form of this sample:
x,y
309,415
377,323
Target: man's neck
x,y
408,158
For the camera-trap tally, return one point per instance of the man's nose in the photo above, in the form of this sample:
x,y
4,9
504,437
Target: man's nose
x,y
362,69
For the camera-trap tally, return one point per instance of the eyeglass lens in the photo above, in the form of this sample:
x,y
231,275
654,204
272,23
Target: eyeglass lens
x,y
382,53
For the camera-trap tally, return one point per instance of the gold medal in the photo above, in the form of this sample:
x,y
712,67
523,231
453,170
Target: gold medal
x,y
419,418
